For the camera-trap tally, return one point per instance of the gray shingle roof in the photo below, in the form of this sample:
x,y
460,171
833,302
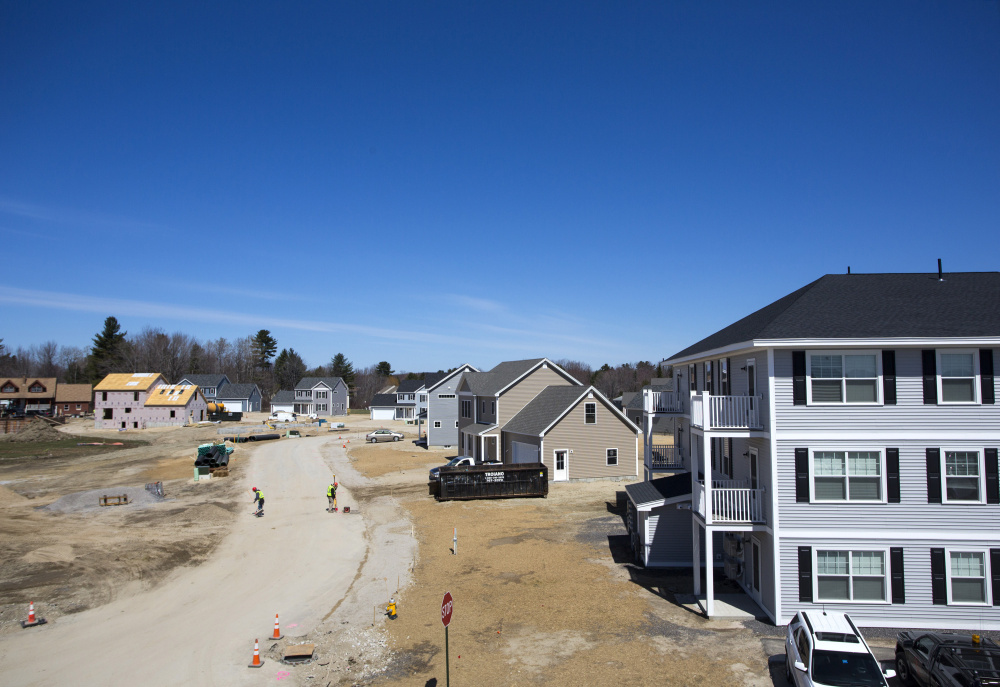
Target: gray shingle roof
x,y
408,386
310,382
283,396
840,306
434,379
233,392
205,380
659,489
543,409
632,399
489,383
384,401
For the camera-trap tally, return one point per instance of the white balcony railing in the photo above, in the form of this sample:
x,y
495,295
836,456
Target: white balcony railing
x,y
730,502
725,412
665,457
663,401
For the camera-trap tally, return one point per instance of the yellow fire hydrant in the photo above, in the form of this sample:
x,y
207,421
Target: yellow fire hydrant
x,y
390,609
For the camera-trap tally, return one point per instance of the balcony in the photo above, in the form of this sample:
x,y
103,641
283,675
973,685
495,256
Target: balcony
x,y
663,402
725,412
665,457
732,501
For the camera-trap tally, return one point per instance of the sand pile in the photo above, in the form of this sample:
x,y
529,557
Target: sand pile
x,y
34,431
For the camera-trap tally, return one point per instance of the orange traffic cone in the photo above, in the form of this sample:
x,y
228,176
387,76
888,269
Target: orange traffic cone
x,y
32,621
277,633
344,446
257,663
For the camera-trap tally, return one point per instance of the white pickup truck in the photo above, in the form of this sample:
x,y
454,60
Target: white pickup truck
x,y
456,462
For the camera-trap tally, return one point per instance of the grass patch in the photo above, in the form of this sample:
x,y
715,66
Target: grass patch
x,y
63,448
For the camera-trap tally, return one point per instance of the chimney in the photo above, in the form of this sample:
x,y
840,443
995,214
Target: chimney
x,y
940,273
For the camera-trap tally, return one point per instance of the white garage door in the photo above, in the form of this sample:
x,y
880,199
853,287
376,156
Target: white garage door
x,y
383,414
524,453
233,406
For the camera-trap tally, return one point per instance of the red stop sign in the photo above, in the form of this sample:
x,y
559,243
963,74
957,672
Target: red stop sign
x,y
447,605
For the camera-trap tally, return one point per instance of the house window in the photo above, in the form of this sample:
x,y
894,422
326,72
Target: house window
x,y
693,377
843,378
590,413
612,456
108,413
482,407
850,576
36,388
320,394
967,577
962,476
724,377
173,413
847,476
79,406
466,409
135,395
751,377
437,424
128,410
456,424
65,407
493,407
10,389
709,379
104,395
423,398
446,395
957,379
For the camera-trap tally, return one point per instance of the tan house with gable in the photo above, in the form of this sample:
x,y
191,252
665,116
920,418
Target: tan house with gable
x,y
29,395
527,411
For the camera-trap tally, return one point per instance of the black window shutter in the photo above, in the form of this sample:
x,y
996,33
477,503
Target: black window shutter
x,y
889,377
898,584
892,474
930,376
995,571
799,378
801,475
933,475
939,585
805,573
986,375
992,477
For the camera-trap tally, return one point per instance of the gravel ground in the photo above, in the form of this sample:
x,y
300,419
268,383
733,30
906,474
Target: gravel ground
x,y
89,501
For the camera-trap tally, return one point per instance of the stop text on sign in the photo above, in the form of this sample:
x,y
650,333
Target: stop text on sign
x,y
447,606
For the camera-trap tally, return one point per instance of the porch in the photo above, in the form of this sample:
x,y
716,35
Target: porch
x,y
663,457
725,412
733,501
668,402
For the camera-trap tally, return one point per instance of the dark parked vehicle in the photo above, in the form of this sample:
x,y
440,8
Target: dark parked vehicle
x,y
465,482
945,659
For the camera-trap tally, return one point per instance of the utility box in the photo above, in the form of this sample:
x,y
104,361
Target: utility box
x,y
466,482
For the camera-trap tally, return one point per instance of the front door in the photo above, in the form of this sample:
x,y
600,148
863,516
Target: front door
x,y
561,471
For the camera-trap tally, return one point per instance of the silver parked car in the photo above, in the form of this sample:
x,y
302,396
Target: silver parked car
x,y
383,435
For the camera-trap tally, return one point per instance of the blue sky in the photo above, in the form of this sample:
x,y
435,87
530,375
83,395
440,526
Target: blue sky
x,y
435,183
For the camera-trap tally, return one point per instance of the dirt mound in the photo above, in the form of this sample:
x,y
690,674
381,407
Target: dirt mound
x,y
9,497
56,553
34,431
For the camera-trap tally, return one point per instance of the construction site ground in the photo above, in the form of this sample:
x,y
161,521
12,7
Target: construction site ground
x,y
175,591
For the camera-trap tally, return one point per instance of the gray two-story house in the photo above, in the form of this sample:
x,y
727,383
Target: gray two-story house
x,y
838,449
321,396
442,406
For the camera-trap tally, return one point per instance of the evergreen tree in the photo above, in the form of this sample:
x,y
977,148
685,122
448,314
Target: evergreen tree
x,y
289,368
195,358
341,367
264,346
105,354
384,369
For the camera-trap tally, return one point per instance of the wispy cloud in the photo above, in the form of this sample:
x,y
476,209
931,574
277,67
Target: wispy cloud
x,y
64,216
480,304
492,337
30,234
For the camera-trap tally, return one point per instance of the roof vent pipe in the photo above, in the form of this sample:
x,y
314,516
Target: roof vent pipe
x,y
848,269
940,273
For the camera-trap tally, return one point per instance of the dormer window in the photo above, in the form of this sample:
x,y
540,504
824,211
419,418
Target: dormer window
x,y
9,389
36,388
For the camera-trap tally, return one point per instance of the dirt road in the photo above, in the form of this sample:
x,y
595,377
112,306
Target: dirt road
x,y
198,627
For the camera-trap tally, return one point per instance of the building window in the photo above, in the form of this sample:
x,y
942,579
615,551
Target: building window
x,y
108,413
446,395
456,424
135,395
423,398
709,378
466,409
437,424
493,407
693,377
843,378
128,410
482,407
10,389
967,577
65,407
957,379
850,576
173,413
847,476
320,394
612,456
724,377
590,413
79,406
962,476
104,395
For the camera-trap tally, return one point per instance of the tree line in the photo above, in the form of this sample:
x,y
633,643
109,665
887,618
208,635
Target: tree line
x,y
250,359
